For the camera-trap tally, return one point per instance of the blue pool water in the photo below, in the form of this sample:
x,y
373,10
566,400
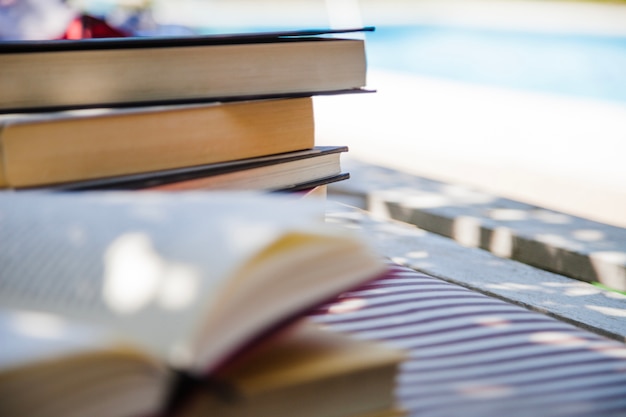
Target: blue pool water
x,y
590,66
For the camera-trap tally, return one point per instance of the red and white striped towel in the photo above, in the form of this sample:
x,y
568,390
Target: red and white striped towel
x,y
474,355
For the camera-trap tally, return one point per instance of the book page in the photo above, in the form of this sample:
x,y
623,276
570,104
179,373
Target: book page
x,y
29,337
147,263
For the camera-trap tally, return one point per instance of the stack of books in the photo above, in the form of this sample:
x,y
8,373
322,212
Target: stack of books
x,y
208,112
140,304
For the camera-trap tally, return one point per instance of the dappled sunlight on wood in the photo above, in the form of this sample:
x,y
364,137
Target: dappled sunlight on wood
x,y
609,268
552,217
555,240
417,254
483,391
612,351
575,289
446,196
558,339
412,256
502,242
467,231
508,214
588,235
348,305
608,311
515,286
566,340
494,322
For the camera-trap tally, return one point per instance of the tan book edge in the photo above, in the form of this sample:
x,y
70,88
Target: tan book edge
x,y
49,148
394,412
308,371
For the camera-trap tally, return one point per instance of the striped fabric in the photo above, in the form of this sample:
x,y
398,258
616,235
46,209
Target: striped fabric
x,y
474,355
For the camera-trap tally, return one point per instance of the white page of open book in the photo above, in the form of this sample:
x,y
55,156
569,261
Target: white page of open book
x,y
149,262
29,337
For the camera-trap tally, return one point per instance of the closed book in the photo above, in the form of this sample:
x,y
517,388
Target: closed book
x,y
289,171
121,71
57,147
307,371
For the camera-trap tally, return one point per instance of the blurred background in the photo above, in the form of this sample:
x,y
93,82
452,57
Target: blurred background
x,y
525,99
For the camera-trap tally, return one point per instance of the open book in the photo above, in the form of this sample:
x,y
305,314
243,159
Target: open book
x,y
187,280
54,367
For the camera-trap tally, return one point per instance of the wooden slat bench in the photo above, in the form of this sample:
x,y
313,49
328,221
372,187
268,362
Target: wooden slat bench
x,y
487,336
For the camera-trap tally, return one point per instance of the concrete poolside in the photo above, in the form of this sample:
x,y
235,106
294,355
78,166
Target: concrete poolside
x,y
557,152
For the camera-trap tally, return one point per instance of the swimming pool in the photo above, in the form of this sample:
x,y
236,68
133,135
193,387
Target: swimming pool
x,y
591,66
